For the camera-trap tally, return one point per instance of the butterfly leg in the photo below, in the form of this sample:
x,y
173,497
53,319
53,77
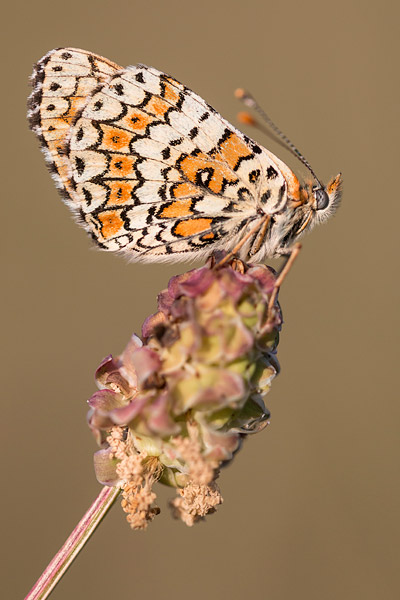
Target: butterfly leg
x,y
259,240
261,226
290,258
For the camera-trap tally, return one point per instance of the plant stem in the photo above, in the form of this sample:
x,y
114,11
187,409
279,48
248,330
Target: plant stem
x,y
74,544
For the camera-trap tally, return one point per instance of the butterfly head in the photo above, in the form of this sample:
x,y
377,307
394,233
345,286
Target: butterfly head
x,y
318,202
324,200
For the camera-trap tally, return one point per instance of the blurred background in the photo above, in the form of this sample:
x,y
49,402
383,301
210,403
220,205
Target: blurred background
x,y
311,505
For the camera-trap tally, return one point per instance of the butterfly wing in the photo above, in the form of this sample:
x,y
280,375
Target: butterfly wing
x,y
62,81
153,170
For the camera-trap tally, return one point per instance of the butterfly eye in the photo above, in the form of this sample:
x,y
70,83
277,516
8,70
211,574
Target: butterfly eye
x,y
321,198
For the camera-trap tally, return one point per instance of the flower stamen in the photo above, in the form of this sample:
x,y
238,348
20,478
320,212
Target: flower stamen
x,y
138,473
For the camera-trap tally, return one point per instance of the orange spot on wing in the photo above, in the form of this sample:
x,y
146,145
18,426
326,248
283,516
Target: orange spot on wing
x,y
136,120
171,94
294,189
157,106
192,165
192,226
180,208
293,184
185,189
111,223
232,149
57,149
120,192
208,236
76,103
175,82
115,139
55,129
121,165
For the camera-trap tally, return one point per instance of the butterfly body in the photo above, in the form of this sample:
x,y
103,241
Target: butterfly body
x,y
151,170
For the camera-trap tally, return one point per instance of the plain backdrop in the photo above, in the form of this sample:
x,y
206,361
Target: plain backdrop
x,y
311,505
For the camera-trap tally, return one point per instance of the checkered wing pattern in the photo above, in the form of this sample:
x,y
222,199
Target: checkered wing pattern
x,y
150,168
62,81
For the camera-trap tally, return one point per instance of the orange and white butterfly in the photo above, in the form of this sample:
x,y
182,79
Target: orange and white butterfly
x,y
151,170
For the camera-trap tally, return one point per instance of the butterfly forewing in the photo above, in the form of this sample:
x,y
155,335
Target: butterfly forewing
x,y
148,154
148,165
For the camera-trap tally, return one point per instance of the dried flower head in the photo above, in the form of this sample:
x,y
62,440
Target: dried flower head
x,y
175,406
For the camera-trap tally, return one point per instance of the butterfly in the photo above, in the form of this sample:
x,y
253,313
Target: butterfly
x,y
151,170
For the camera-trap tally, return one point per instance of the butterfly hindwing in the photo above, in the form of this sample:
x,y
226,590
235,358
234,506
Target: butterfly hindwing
x,y
62,82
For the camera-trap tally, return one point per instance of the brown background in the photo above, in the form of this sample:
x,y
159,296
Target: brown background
x,y
311,504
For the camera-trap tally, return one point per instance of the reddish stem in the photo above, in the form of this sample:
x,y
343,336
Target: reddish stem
x,y
74,544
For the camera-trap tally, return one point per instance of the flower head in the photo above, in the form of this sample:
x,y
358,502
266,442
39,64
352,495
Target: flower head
x,y
179,402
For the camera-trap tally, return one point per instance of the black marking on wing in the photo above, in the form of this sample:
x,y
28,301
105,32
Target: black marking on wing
x,y
272,173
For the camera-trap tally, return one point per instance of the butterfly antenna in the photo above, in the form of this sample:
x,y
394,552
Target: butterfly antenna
x,y
250,102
